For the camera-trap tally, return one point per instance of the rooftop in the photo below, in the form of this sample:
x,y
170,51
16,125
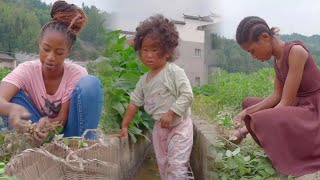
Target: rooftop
x,y
127,32
198,17
178,22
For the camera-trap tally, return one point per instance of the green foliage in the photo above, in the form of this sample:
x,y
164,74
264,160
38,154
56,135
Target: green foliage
x,y
18,28
119,72
225,92
3,176
244,162
92,38
220,101
21,22
4,71
11,143
95,29
228,55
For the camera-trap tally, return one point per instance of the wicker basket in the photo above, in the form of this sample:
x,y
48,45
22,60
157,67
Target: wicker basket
x,y
57,161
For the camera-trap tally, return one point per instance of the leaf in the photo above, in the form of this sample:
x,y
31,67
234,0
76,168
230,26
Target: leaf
x,y
270,170
84,144
66,141
2,165
257,177
235,152
133,137
219,156
228,153
127,81
263,173
224,177
232,138
219,144
135,130
1,138
231,163
58,137
247,158
145,124
119,108
220,122
132,65
79,143
50,137
59,129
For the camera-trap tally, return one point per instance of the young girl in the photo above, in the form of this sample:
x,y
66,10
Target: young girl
x,y
51,89
286,123
166,94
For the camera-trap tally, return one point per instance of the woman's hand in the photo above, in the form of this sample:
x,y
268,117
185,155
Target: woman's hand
x,y
238,119
40,134
16,117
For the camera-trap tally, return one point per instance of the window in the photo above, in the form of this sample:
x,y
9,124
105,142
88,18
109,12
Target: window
x,y
197,52
197,81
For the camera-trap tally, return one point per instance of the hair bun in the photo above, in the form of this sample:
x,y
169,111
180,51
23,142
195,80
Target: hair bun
x,y
275,30
70,15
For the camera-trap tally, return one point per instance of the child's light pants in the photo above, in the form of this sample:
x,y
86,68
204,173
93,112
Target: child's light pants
x,y
173,148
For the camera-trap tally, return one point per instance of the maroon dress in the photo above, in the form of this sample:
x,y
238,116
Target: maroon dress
x,y
290,135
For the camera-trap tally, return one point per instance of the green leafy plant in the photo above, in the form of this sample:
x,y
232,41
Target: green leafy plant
x,y
81,143
247,161
226,91
3,176
4,71
119,71
220,101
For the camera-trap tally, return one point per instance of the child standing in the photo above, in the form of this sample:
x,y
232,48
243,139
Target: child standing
x,y
166,94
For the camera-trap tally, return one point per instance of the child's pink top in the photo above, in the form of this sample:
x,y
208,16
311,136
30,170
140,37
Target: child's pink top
x,y
28,77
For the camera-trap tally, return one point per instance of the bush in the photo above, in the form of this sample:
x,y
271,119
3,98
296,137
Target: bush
x,y
220,101
119,71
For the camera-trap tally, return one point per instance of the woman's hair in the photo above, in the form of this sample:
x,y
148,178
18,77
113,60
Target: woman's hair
x,y
250,28
66,18
159,27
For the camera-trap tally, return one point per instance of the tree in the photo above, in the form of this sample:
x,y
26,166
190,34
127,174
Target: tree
x,y
21,22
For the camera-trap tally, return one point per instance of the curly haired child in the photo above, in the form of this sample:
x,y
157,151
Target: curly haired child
x,y
166,94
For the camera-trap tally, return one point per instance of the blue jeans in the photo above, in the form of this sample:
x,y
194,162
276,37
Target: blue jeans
x,y
85,106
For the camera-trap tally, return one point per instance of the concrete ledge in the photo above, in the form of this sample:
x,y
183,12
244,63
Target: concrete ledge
x,y
130,155
203,149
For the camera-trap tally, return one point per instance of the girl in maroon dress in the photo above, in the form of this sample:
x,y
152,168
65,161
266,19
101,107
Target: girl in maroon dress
x,y
286,124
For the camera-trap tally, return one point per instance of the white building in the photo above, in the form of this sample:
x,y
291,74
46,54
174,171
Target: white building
x,y
191,48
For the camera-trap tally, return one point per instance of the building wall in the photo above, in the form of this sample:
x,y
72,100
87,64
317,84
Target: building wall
x,y
193,64
191,39
208,51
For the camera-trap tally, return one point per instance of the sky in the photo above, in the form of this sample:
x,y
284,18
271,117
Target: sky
x,y
289,15
128,13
